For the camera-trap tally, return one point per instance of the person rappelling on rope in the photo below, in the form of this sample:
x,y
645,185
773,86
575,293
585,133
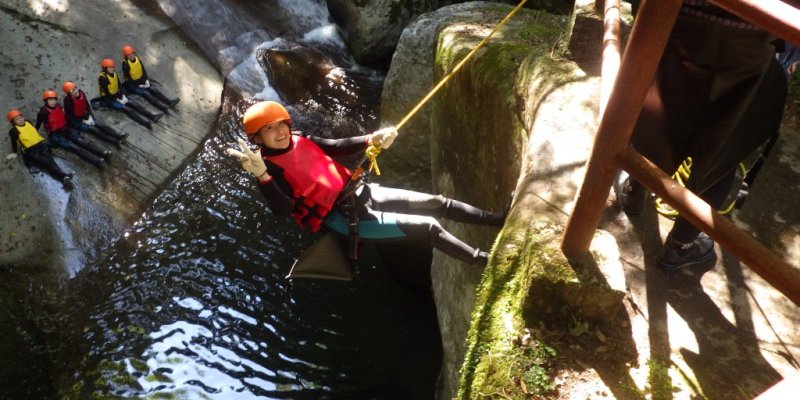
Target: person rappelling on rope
x,y
298,176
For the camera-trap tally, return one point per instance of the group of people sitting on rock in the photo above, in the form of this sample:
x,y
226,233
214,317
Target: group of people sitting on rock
x,y
64,125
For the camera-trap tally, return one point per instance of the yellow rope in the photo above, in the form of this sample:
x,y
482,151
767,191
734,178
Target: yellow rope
x,y
372,151
680,176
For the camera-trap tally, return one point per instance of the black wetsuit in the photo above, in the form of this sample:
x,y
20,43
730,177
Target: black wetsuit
x,y
38,155
99,129
384,213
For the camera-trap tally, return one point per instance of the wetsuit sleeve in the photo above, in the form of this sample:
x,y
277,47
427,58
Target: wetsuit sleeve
x,y
341,147
69,109
13,133
277,192
126,71
40,118
144,72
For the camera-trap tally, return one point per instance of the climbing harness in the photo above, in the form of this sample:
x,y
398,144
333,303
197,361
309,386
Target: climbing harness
x,y
372,151
681,175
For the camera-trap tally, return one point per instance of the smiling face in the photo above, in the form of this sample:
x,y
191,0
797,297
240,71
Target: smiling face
x,y
275,136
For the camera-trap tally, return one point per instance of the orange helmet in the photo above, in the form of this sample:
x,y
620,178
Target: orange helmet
x,y
107,62
68,86
127,50
14,113
264,113
49,94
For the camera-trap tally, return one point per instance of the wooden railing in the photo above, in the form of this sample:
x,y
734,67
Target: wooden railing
x,y
611,149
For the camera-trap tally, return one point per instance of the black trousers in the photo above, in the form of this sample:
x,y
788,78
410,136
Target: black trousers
x,y
391,214
40,156
701,105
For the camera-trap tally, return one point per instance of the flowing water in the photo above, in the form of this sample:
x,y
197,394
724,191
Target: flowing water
x,y
191,301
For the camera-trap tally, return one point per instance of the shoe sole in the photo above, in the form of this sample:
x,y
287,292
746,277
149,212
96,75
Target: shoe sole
x,y
708,257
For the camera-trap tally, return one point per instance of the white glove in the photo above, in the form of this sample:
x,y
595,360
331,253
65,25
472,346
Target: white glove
x,y
383,138
250,160
11,156
123,100
89,121
147,84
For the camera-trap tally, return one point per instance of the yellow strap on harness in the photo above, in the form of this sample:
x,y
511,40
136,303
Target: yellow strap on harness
x,y
372,151
681,175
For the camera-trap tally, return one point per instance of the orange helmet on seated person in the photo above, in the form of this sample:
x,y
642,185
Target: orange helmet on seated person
x,y
49,94
264,113
127,50
12,114
67,87
107,63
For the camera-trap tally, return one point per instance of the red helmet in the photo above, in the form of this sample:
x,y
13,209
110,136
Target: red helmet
x,y
107,62
127,50
264,113
68,86
14,113
49,94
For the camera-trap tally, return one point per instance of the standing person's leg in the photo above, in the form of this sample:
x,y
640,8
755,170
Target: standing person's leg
x,y
411,202
686,245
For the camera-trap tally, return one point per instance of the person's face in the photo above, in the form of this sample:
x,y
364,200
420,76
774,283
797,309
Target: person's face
x,y
74,91
19,120
131,56
51,102
109,70
274,136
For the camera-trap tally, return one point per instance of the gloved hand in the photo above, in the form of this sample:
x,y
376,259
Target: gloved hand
x,y
251,161
123,99
147,84
89,121
383,138
11,156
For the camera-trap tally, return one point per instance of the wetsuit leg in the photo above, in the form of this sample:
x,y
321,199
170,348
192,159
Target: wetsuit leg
x,y
411,202
100,134
159,95
683,231
62,142
387,226
86,144
42,157
141,110
152,99
109,131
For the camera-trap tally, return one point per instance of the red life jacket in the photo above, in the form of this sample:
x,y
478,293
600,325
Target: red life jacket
x,y
316,180
80,104
56,119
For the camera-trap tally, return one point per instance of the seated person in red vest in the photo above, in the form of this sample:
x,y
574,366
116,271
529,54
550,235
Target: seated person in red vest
x,y
111,95
35,150
137,82
298,177
81,117
60,134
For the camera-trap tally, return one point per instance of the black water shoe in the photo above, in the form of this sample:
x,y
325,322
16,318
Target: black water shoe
x,y
675,254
